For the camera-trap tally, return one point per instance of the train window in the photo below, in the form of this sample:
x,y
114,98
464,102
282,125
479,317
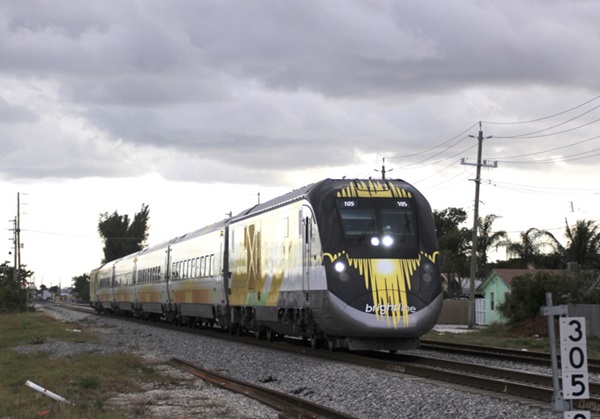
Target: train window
x,y
201,266
368,222
401,222
286,227
210,269
358,222
197,273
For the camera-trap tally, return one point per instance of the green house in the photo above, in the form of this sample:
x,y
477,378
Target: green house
x,y
495,287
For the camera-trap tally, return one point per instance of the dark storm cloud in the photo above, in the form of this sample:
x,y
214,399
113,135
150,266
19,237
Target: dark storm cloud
x,y
269,85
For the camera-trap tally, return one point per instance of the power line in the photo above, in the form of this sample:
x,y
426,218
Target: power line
x,y
434,147
59,234
570,157
552,149
551,189
435,155
545,117
529,135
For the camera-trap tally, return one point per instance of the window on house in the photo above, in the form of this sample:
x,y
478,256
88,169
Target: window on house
x,y
492,301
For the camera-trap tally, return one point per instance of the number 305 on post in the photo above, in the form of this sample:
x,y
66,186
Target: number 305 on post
x,y
573,358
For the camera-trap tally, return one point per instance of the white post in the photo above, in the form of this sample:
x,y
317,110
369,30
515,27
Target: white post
x,y
46,392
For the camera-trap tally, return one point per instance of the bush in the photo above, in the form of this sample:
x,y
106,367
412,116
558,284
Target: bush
x,y
528,293
12,298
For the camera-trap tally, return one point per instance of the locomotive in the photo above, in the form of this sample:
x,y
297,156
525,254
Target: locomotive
x,y
343,263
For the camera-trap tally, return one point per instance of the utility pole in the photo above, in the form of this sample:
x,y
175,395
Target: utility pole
x,y
479,164
18,233
15,251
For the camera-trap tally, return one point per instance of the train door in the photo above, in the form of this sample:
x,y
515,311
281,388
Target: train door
x,y
307,239
113,284
134,285
224,254
94,285
165,292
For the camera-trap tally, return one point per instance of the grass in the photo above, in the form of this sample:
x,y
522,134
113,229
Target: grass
x,y
89,380
83,379
532,336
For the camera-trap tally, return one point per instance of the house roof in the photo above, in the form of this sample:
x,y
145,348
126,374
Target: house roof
x,y
507,275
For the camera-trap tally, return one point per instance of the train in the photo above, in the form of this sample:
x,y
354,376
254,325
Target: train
x,y
342,263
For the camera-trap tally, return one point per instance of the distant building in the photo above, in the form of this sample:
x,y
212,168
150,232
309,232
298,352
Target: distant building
x,y
494,288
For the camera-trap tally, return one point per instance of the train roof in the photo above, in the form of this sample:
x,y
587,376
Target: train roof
x,y
310,192
291,196
314,191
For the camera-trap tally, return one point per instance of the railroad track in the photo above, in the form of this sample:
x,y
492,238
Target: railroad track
x,y
530,357
290,406
499,380
509,382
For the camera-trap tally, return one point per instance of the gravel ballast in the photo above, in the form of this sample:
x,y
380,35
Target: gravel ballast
x,y
362,392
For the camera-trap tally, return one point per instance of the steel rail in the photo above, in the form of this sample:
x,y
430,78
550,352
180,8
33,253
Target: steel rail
x,y
288,404
531,357
508,374
505,381
509,382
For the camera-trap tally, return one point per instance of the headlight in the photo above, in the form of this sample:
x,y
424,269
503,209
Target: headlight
x,y
375,241
339,267
428,267
388,241
427,272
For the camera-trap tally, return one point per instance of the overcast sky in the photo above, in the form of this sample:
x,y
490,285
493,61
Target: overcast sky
x,y
195,107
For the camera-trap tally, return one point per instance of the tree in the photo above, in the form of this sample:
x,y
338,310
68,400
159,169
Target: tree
x,y
584,243
13,289
81,285
453,243
122,237
487,238
528,293
537,248
583,246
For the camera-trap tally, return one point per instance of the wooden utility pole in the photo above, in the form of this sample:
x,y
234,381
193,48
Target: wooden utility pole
x,y
18,233
479,164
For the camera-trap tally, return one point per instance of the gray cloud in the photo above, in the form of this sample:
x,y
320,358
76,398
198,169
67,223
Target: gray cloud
x,y
266,86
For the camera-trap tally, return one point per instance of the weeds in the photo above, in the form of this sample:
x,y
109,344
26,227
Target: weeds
x,y
87,380
530,336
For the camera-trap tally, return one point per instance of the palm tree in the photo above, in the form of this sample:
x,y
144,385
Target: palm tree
x,y
584,243
583,247
488,239
453,244
531,249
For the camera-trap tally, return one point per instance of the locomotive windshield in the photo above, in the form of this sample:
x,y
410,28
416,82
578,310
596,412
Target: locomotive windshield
x,y
379,225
